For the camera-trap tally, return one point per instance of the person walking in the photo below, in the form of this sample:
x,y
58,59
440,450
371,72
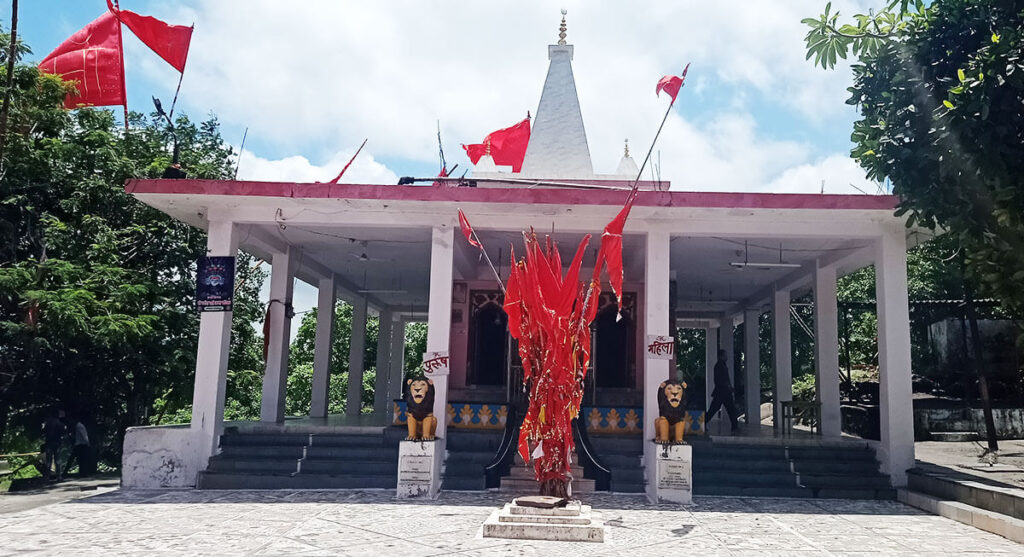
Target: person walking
x,y
722,394
81,451
53,435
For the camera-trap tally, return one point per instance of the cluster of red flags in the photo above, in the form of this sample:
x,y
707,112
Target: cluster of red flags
x,y
507,146
549,313
94,56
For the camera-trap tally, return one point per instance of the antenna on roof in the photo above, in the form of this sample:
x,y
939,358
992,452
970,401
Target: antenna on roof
x,y
240,147
440,149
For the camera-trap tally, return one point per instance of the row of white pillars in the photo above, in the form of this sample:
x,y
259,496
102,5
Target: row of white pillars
x,y
656,322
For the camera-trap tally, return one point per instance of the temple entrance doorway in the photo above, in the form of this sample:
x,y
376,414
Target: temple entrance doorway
x,y
488,341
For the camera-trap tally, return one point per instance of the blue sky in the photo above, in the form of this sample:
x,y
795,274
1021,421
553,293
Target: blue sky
x,y
312,79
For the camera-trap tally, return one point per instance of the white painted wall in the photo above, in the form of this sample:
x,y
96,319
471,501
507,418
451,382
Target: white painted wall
x,y
161,457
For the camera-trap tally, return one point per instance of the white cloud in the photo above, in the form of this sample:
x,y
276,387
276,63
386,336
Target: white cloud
x,y
364,169
317,77
840,174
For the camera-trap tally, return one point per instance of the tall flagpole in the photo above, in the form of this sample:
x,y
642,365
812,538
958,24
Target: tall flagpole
x,y
120,48
180,77
663,119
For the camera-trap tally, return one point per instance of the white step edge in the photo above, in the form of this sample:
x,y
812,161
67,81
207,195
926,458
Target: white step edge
x,y
989,521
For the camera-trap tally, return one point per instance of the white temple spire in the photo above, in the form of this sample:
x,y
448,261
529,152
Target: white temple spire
x,y
558,141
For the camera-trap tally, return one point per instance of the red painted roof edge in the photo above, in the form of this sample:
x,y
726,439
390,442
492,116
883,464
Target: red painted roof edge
x,y
548,196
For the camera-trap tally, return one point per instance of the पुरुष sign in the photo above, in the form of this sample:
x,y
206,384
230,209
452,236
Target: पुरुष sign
x,y
435,363
661,347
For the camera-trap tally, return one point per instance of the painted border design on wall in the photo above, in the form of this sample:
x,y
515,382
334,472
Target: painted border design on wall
x,y
468,415
619,420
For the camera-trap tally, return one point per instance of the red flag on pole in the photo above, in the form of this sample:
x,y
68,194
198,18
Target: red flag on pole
x,y
671,84
508,146
169,42
467,230
92,59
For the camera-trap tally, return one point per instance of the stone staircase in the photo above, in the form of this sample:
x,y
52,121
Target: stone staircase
x,y
304,461
624,458
771,470
522,481
468,453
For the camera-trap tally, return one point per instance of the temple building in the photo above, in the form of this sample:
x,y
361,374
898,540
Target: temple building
x,y
716,262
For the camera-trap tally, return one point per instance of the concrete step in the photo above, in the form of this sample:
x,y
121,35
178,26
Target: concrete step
x,y
217,480
622,460
831,454
463,468
258,465
351,440
265,439
473,441
482,459
990,521
262,451
836,468
626,487
464,483
529,486
738,452
751,491
374,467
617,444
717,463
747,478
844,482
379,452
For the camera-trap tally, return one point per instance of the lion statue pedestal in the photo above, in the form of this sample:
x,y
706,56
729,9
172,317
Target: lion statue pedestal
x,y
420,455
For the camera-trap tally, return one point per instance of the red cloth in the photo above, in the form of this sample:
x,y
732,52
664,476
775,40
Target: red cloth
x,y
671,84
611,249
508,146
169,42
92,59
467,230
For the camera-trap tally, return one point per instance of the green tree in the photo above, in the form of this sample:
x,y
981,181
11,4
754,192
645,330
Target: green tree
x,y
97,289
940,90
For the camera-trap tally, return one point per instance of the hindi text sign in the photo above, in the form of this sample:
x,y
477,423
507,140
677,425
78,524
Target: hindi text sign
x,y
661,347
435,363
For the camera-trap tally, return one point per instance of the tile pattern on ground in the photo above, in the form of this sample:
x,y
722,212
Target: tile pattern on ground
x,y
375,523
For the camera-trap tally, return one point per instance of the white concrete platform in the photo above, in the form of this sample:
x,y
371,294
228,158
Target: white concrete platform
x,y
989,521
572,523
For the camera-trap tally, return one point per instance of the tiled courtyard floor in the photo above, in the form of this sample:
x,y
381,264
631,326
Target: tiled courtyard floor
x,y
373,523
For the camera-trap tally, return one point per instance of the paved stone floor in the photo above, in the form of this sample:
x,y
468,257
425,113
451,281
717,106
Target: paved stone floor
x,y
373,523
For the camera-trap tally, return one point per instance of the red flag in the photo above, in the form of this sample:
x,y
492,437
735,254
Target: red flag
x,y
442,174
611,249
671,84
92,59
169,42
508,146
467,230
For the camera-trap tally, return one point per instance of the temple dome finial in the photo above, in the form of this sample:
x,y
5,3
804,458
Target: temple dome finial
x,y
561,28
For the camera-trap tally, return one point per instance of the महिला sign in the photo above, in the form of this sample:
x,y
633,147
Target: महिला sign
x,y
215,283
661,347
435,363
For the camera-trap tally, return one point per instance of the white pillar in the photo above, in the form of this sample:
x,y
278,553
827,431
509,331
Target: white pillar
x,y
439,314
710,358
656,309
897,420
826,349
752,364
397,363
212,356
782,352
356,358
380,383
323,345
275,378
